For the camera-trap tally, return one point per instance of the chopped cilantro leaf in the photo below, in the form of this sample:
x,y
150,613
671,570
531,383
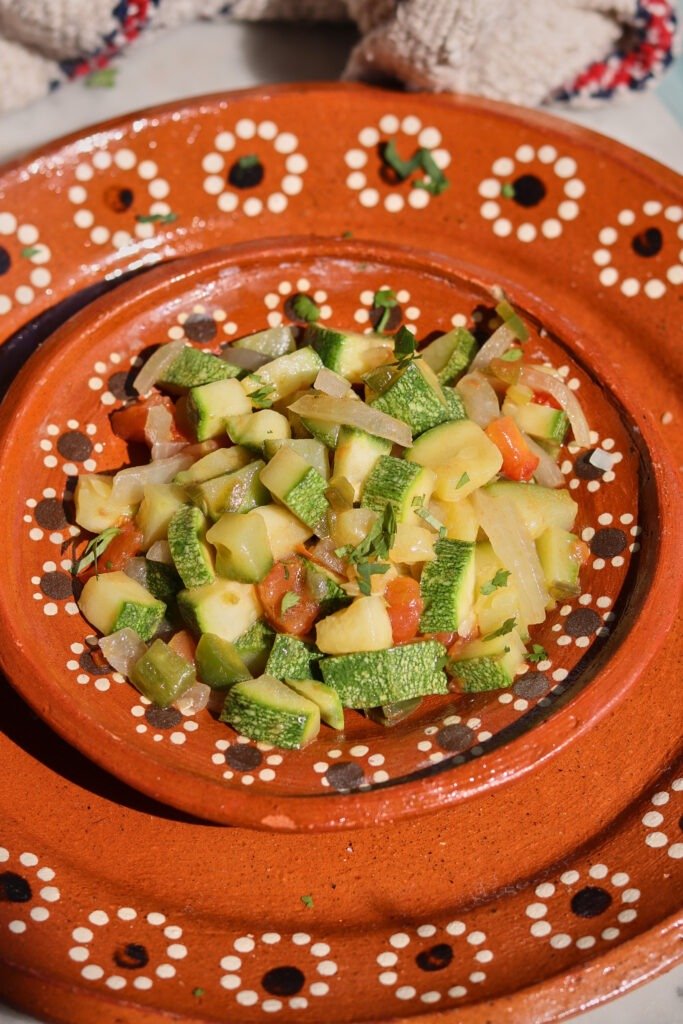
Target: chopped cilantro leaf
x,y
404,345
464,479
508,190
384,299
103,78
431,520
307,901
304,308
503,630
512,355
29,252
377,543
250,160
156,218
347,234
436,182
290,600
198,992
96,547
368,569
538,653
499,580
402,168
261,397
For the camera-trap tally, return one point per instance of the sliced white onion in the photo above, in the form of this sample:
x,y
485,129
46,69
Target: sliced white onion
x,y
331,383
155,366
317,583
193,700
129,484
539,380
159,434
122,649
547,472
245,358
516,550
160,552
353,413
479,398
323,552
499,342
136,568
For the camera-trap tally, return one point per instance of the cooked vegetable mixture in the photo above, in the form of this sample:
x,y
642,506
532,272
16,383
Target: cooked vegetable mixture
x,y
330,520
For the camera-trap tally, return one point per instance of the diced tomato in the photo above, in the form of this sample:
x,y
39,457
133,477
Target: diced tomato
x,y
543,398
580,551
124,545
443,638
404,604
519,462
184,644
288,577
129,423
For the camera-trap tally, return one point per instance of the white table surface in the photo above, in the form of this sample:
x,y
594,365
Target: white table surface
x,y
207,57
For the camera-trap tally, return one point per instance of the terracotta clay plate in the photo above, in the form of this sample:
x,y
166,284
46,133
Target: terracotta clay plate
x,y
114,906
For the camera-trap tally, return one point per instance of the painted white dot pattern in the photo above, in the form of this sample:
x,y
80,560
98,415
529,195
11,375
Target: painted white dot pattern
x,y
269,943
662,823
431,948
28,256
653,232
33,910
125,930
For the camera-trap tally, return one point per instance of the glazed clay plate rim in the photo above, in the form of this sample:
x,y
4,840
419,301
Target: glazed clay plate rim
x,y
434,788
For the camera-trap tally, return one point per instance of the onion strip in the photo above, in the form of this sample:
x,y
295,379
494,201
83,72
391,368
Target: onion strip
x,y
499,342
539,380
353,413
331,383
129,484
479,398
547,473
155,366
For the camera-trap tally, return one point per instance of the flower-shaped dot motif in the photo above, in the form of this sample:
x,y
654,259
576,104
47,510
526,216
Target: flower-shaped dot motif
x,y
246,761
344,775
592,895
27,890
55,588
53,516
121,199
291,968
126,946
243,162
536,191
89,665
113,381
201,325
367,172
286,295
433,962
163,722
22,262
71,446
642,252
370,313
595,465
666,813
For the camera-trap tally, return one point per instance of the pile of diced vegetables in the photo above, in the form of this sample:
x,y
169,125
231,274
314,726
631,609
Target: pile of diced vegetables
x,y
329,520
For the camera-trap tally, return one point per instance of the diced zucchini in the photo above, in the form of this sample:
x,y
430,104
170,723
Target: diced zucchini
x,y
496,597
356,455
193,368
224,607
209,406
189,550
456,406
327,699
274,342
413,544
450,354
161,675
218,662
95,510
161,580
254,646
113,601
349,353
414,395
489,664
403,484
294,482
284,375
447,587
560,555
327,433
363,626
369,679
539,421
268,711
458,517
240,491
391,714
539,507
242,549
285,532
461,455
314,452
291,657
254,430
159,504
223,460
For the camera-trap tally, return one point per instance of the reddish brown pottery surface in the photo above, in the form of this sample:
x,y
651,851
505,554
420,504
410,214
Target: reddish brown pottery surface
x,y
420,916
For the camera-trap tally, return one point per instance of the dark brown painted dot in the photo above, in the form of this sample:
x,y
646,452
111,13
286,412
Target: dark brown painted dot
x,y
608,542
118,199
242,757
162,718
283,981
393,320
680,823
50,514
585,469
247,172
582,622
531,685
455,737
57,585
344,775
131,957
529,190
590,901
75,445
14,888
95,668
648,242
436,958
5,260
121,384
199,327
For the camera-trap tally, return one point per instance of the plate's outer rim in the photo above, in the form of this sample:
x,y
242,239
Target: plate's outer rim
x,y
301,813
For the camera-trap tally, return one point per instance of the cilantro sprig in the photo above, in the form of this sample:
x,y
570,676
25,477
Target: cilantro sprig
x,y
404,346
290,600
499,580
538,653
429,519
96,547
156,218
503,630
366,570
384,299
304,308
378,541
261,396
422,159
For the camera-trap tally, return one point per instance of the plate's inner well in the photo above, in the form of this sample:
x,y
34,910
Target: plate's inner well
x,y
74,437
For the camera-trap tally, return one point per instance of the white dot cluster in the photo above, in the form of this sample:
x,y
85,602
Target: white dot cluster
x,y
357,158
667,804
40,877
29,253
176,331
470,956
216,162
175,736
119,166
101,920
490,189
374,772
630,286
244,945
96,380
367,296
265,773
